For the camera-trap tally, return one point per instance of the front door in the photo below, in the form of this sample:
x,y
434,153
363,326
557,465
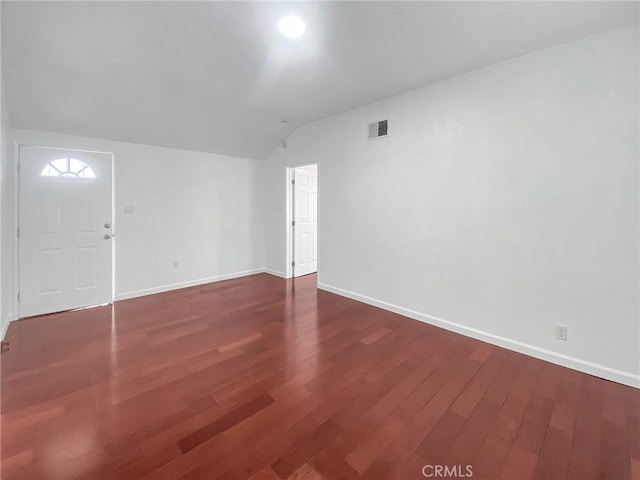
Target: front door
x,y
306,221
65,235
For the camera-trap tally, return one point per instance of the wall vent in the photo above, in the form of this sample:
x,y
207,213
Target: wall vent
x,y
378,129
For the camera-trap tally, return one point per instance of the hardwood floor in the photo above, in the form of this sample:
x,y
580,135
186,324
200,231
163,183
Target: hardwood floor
x,y
264,378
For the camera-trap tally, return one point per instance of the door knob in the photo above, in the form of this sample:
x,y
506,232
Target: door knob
x,y
107,236
107,225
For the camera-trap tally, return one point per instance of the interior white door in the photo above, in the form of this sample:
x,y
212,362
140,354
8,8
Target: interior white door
x,y
65,234
306,221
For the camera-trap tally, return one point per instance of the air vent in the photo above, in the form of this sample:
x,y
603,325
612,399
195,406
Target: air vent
x,y
378,129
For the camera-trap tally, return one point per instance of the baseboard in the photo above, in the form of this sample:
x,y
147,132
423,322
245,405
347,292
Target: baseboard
x,y
585,366
190,283
5,326
275,272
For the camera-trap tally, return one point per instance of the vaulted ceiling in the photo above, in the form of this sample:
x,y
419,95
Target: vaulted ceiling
x,y
218,76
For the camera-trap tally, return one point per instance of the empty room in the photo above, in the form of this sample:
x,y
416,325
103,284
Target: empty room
x,y
320,240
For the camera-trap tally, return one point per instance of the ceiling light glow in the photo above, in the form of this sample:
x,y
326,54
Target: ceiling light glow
x,y
291,26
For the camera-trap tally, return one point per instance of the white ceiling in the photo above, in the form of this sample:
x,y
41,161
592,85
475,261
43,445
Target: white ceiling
x,y
218,77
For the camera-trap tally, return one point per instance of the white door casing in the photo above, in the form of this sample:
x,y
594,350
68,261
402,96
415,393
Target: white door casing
x,y
306,220
65,230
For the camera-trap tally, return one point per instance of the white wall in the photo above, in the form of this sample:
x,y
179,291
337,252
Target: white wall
x,y
6,215
6,219
197,208
503,202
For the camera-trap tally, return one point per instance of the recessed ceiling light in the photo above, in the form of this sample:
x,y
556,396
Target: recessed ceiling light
x,y
291,26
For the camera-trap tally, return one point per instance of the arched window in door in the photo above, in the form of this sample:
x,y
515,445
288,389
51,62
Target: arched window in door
x,y
68,167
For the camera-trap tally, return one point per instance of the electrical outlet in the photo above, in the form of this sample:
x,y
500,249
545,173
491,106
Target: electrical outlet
x,y
175,264
561,332
129,209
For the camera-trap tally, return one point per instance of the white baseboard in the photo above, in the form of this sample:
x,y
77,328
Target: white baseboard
x,y
5,326
275,272
585,366
190,283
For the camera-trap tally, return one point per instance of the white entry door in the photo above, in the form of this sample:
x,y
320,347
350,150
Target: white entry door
x,y
306,221
65,236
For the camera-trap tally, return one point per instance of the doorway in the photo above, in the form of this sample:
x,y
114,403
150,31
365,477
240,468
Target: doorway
x,y
303,220
65,235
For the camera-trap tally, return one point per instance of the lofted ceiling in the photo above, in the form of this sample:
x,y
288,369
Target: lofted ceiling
x,y
218,76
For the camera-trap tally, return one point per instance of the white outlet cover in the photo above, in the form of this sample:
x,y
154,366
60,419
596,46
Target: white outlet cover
x,y
129,209
561,332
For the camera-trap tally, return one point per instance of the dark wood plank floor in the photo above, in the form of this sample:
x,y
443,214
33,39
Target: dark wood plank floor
x,y
264,378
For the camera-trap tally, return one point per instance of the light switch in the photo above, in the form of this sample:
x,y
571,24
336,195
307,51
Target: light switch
x,y
128,209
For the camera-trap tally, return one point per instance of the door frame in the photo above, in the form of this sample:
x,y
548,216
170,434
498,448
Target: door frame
x,y
16,219
290,174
